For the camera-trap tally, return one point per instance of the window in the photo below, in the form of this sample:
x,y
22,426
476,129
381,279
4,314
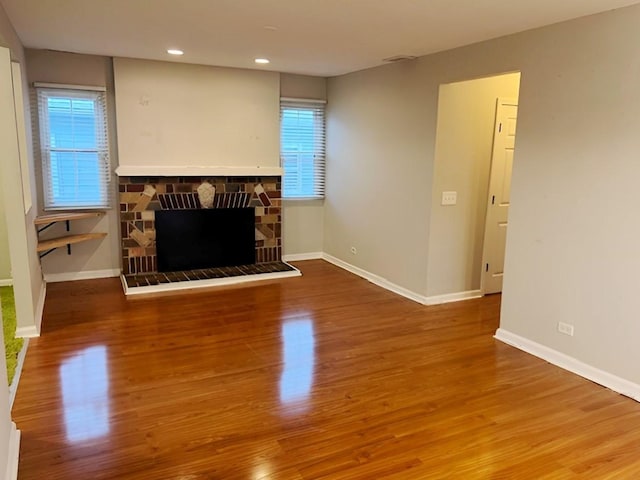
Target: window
x,y
302,148
74,148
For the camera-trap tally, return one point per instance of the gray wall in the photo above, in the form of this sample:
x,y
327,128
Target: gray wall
x,y
572,245
303,220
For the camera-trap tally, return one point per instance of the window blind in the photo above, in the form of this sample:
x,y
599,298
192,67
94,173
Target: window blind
x,y
302,148
74,147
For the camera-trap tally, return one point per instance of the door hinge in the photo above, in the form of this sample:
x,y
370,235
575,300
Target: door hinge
x,y
486,268
493,199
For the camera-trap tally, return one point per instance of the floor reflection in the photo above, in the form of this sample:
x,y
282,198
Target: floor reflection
x,y
298,343
85,397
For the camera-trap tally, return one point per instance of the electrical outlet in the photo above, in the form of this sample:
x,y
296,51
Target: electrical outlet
x,y
449,198
354,251
565,328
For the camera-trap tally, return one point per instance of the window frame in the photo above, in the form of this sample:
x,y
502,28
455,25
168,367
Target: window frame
x,y
103,199
318,109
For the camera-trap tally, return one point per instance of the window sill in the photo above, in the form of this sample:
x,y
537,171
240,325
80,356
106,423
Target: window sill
x,y
304,199
77,209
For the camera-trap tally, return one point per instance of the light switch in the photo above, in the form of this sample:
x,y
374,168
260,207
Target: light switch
x,y
449,198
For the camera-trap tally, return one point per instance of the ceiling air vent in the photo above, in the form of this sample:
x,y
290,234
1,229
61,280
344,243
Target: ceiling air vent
x,y
398,58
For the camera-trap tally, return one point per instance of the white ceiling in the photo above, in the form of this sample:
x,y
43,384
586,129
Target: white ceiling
x,y
314,37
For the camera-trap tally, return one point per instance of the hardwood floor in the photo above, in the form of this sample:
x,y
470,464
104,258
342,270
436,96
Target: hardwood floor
x,y
323,376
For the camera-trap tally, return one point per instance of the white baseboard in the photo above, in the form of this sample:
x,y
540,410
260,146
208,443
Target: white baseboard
x,y
373,278
613,382
13,454
13,388
298,257
88,275
27,332
453,297
6,282
34,330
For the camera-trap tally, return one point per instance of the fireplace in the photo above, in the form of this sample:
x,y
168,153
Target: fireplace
x,y
148,203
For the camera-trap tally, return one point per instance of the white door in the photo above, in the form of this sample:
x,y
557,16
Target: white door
x,y
495,233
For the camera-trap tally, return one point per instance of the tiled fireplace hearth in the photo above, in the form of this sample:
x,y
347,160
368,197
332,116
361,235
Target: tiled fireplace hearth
x,y
141,196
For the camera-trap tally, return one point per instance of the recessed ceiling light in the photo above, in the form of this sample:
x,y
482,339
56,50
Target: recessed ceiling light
x,y
175,51
262,61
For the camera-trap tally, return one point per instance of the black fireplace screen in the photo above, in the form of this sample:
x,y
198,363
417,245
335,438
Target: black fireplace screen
x,y
205,238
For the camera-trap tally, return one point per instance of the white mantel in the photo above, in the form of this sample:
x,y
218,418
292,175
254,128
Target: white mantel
x,y
195,171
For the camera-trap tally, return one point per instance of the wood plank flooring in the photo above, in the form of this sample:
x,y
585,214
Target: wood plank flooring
x,y
320,377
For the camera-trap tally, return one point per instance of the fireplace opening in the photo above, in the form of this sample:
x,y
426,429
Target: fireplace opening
x,y
204,238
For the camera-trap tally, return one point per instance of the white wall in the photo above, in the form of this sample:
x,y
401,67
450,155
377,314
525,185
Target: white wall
x,y
303,220
25,265
177,114
97,255
462,163
5,263
572,248
8,38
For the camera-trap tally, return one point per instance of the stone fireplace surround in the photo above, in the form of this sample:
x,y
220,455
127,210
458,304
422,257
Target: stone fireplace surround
x,y
140,196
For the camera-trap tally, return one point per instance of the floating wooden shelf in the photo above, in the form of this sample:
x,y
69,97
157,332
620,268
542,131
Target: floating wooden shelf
x,y
45,245
63,217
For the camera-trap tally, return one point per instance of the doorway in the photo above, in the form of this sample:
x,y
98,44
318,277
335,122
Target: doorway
x,y
466,124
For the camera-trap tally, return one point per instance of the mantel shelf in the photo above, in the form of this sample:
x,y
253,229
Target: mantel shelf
x,y
52,243
63,217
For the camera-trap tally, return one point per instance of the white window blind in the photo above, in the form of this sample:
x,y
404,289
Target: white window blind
x,y
74,147
302,148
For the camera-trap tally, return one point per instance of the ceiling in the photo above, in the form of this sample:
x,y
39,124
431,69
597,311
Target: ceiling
x,y
314,37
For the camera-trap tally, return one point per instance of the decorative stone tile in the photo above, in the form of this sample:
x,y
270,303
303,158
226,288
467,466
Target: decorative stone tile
x,y
140,238
179,201
143,203
183,188
129,197
206,194
138,280
266,231
262,195
260,236
232,200
149,191
137,252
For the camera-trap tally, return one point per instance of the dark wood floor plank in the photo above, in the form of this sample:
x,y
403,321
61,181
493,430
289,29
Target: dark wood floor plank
x,y
320,377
